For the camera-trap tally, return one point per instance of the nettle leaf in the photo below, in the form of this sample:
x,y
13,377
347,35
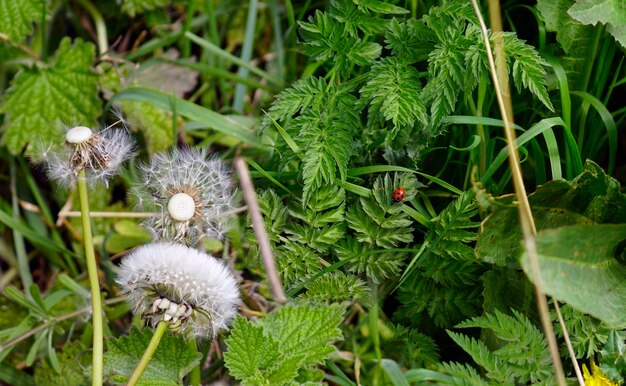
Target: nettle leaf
x,y
611,13
335,287
305,330
393,93
40,99
17,17
582,265
527,68
250,350
133,7
171,362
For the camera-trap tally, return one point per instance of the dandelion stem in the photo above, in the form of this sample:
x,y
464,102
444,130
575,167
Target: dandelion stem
x,y
147,355
195,377
92,271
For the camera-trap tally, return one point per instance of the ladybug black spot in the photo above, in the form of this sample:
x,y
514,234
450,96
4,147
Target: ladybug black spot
x,y
398,194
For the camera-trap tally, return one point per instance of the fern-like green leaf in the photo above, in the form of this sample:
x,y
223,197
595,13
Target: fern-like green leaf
x,y
525,351
393,93
361,260
527,68
336,287
410,40
354,20
40,99
463,375
588,335
378,6
496,369
296,262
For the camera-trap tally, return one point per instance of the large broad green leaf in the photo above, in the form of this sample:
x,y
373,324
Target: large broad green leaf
x,y
42,98
17,17
171,362
592,197
612,13
574,37
582,265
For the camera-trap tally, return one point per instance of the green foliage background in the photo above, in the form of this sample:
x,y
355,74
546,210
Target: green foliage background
x,y
334,105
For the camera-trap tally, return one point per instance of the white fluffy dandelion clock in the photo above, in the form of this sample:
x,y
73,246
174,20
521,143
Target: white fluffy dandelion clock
x,y
192,193
99,153
170,282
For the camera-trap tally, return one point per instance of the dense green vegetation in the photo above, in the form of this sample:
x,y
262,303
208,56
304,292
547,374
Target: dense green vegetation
x,y
403,251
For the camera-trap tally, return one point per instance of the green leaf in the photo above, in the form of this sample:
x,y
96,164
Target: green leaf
x,y
17,17
582,265
71,374
39,99
133,7
335,287
611,13
378,6
613,354
250,350
171,362
305,330
393,94
574,37
189,110
590,197
495,367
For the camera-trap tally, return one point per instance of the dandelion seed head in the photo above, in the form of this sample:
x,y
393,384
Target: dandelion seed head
x,y
192,193
100,153
173,282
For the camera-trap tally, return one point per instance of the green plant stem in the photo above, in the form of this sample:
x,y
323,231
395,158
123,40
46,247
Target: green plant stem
x,y
195,377
18,238
147,355
101,29
92,271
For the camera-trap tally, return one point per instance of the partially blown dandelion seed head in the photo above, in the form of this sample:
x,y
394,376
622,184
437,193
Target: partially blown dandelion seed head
x,y
176,283
99,153
192,193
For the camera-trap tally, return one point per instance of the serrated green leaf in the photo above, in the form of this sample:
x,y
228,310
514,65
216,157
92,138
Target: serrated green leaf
x,y
171,362
17,17
250,350
39,99
335,287
582,266
305,330
133,7
612,13
377,266
496,370
154,123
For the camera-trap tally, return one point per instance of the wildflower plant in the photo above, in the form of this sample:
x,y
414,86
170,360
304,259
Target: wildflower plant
x,y
99,153
174,283
193,194
88,157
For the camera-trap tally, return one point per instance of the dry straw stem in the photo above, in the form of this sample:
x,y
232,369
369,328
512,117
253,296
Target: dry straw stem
x,y
258,225
526,220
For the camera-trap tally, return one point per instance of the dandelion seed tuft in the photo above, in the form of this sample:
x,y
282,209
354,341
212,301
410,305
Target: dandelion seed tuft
x,y
195,292
100,153
193,193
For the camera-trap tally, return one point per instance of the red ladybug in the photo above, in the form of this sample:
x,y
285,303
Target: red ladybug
x,y
398,194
